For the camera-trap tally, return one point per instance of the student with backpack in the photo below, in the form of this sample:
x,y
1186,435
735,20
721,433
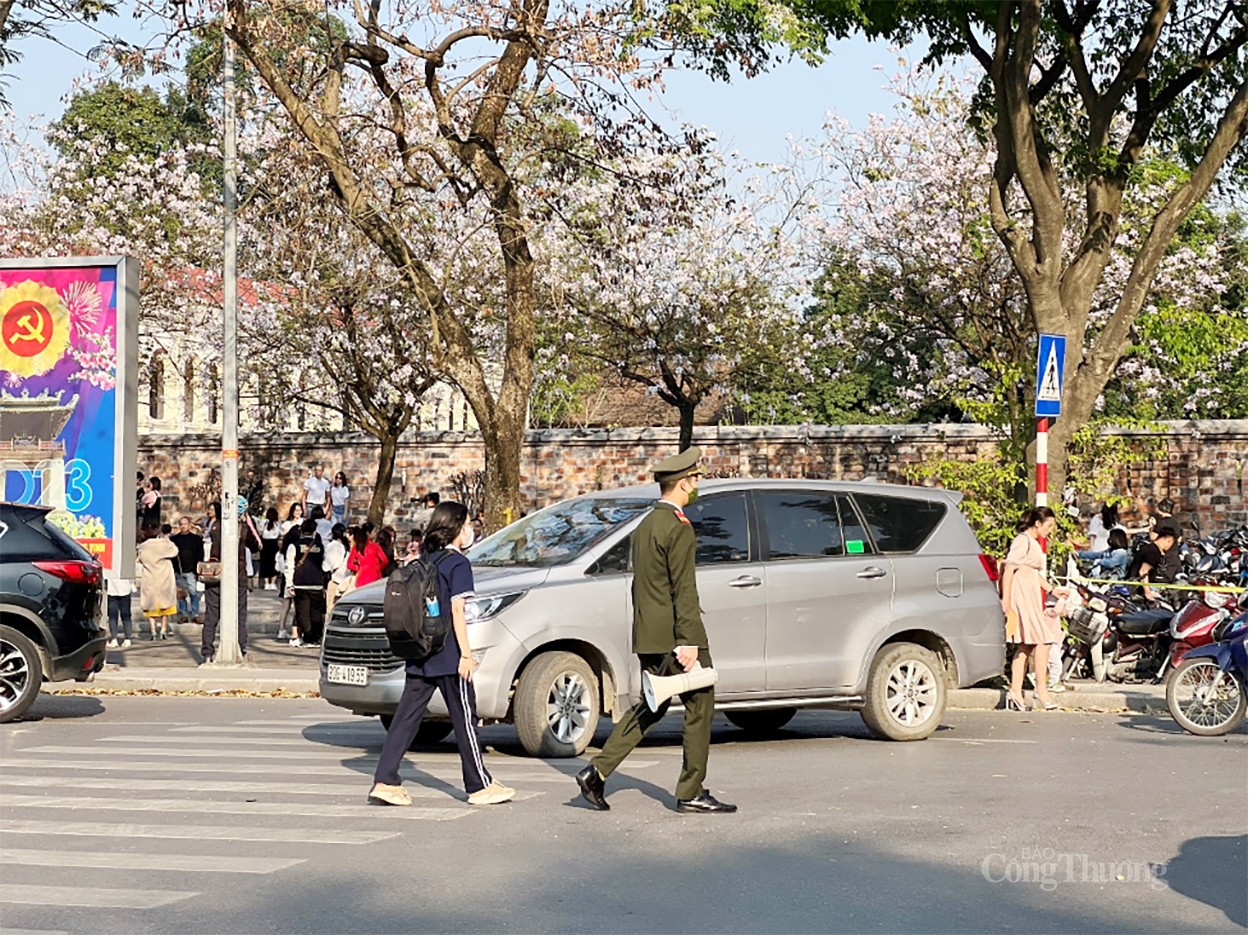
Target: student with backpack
x,y
423,612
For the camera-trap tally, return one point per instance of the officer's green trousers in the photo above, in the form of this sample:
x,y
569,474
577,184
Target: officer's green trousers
x,y
696,735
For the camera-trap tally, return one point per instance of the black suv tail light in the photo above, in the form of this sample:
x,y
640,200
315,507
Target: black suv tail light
x,y
990,564
71,570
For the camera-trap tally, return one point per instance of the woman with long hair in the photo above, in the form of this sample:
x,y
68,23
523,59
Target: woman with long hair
x,y
367,560
340,579
449,670
270,535
1029,628
340,493
290,535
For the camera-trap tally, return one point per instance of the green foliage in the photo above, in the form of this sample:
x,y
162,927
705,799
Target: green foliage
x,y
833,388
127,121
990,502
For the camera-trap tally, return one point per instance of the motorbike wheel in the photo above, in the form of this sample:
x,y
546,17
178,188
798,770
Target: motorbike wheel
x,y
1204,699
1099,662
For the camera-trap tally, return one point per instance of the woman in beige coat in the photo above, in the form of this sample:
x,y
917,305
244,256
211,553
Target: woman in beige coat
x,y
1030,627
158,588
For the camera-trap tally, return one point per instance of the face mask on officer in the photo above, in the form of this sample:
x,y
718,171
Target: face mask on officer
x,y
692,493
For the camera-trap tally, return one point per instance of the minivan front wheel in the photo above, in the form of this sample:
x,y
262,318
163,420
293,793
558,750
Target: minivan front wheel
x,y
556,705
906,693
21,674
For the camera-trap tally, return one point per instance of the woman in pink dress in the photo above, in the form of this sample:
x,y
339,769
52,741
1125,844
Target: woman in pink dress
x,y
1029,627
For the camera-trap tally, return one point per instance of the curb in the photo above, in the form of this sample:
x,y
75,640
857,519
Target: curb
x,y
213,680
1095,702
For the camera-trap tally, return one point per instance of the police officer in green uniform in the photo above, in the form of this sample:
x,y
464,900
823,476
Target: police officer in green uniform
x,y
668,638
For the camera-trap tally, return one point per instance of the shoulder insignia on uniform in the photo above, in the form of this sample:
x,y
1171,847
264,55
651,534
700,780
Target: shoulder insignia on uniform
x,y
682,518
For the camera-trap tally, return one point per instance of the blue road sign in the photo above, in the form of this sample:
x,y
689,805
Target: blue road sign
x,y
1050,351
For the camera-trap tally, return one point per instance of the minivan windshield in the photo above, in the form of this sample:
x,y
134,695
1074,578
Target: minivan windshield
x,y
558,534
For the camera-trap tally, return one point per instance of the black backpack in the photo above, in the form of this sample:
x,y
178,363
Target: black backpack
x,y
411,594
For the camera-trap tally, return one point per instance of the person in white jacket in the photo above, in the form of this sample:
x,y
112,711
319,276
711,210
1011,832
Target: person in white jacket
x,y
119,592
335,565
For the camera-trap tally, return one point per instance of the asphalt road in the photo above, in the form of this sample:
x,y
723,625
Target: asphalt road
x,y
136,815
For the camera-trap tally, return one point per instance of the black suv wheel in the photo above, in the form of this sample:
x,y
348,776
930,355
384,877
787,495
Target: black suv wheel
x,y
21,674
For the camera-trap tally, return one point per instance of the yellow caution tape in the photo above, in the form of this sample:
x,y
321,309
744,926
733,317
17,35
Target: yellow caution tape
x,y
1153,586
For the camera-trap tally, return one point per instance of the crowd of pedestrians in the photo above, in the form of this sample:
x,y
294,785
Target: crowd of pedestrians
x,y
311,558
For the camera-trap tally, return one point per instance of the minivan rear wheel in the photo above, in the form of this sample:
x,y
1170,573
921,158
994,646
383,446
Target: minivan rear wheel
x,y
556,706
21,674
906,693
761,722
430,732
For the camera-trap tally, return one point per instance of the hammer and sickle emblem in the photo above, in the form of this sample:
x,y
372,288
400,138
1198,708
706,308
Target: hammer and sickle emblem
x,y
34,329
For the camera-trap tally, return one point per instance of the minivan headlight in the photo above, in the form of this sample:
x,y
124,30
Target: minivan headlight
x,y
489,605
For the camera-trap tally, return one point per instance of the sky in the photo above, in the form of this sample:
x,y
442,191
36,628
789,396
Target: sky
x,y
753,116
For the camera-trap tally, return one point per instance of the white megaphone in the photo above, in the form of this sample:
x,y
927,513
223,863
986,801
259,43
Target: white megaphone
x,y
658,689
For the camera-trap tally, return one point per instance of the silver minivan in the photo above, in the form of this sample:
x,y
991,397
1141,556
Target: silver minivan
x,y
815,594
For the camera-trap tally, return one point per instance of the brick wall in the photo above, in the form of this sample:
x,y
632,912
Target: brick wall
x,y
1204,470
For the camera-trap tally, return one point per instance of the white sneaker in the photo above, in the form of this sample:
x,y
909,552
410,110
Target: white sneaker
x,y
125,644
112,644
295,641
382,794
494,794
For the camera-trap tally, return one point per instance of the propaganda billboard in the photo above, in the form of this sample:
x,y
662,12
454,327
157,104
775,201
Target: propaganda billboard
x,y
68,396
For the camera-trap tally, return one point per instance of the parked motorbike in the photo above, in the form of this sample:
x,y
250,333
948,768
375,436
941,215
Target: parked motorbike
x,y
1195,623
1116,636
1207,692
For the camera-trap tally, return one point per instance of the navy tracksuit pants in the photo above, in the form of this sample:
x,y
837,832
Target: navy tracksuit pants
x,y
462,708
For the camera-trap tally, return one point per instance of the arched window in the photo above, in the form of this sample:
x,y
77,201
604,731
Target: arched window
x,y
188,392
156,388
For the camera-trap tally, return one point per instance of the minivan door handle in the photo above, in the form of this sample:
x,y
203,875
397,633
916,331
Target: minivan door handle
x,y
746,581
872,571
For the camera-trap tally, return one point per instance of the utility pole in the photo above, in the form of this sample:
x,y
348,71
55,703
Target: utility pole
x,y
228,653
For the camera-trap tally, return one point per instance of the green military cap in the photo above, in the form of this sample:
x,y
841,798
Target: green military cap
x,y
678,466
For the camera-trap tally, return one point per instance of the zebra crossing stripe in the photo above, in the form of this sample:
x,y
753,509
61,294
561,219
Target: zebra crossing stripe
x,y
210,807
313,752
196,832
28,894
120,860
236,739
289,787
250,769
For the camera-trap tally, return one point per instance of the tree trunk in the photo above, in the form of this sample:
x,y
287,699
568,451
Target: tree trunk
x,y
685,417
504,442
382,482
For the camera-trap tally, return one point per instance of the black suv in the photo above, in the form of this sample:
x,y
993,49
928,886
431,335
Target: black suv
x,y
51,608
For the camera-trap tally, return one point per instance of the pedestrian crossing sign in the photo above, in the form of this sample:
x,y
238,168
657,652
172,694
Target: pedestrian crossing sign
x,y
1050,352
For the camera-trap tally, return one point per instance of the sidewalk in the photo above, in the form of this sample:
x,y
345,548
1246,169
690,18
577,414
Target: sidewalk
x,y
172,665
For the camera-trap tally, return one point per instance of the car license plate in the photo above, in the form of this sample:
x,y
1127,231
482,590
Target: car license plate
x,y
347,675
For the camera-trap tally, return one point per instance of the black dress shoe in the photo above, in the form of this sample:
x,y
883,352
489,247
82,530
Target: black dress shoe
x,y
704,804
591,784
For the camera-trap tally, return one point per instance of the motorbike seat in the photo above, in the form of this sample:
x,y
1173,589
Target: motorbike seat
x,y
1144,622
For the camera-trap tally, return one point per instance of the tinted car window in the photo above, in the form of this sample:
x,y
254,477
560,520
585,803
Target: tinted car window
x,y
801,524
721,524
900,524
615,561
28,536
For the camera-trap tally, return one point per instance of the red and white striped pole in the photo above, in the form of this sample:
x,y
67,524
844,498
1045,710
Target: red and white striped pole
x,y
1043,428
